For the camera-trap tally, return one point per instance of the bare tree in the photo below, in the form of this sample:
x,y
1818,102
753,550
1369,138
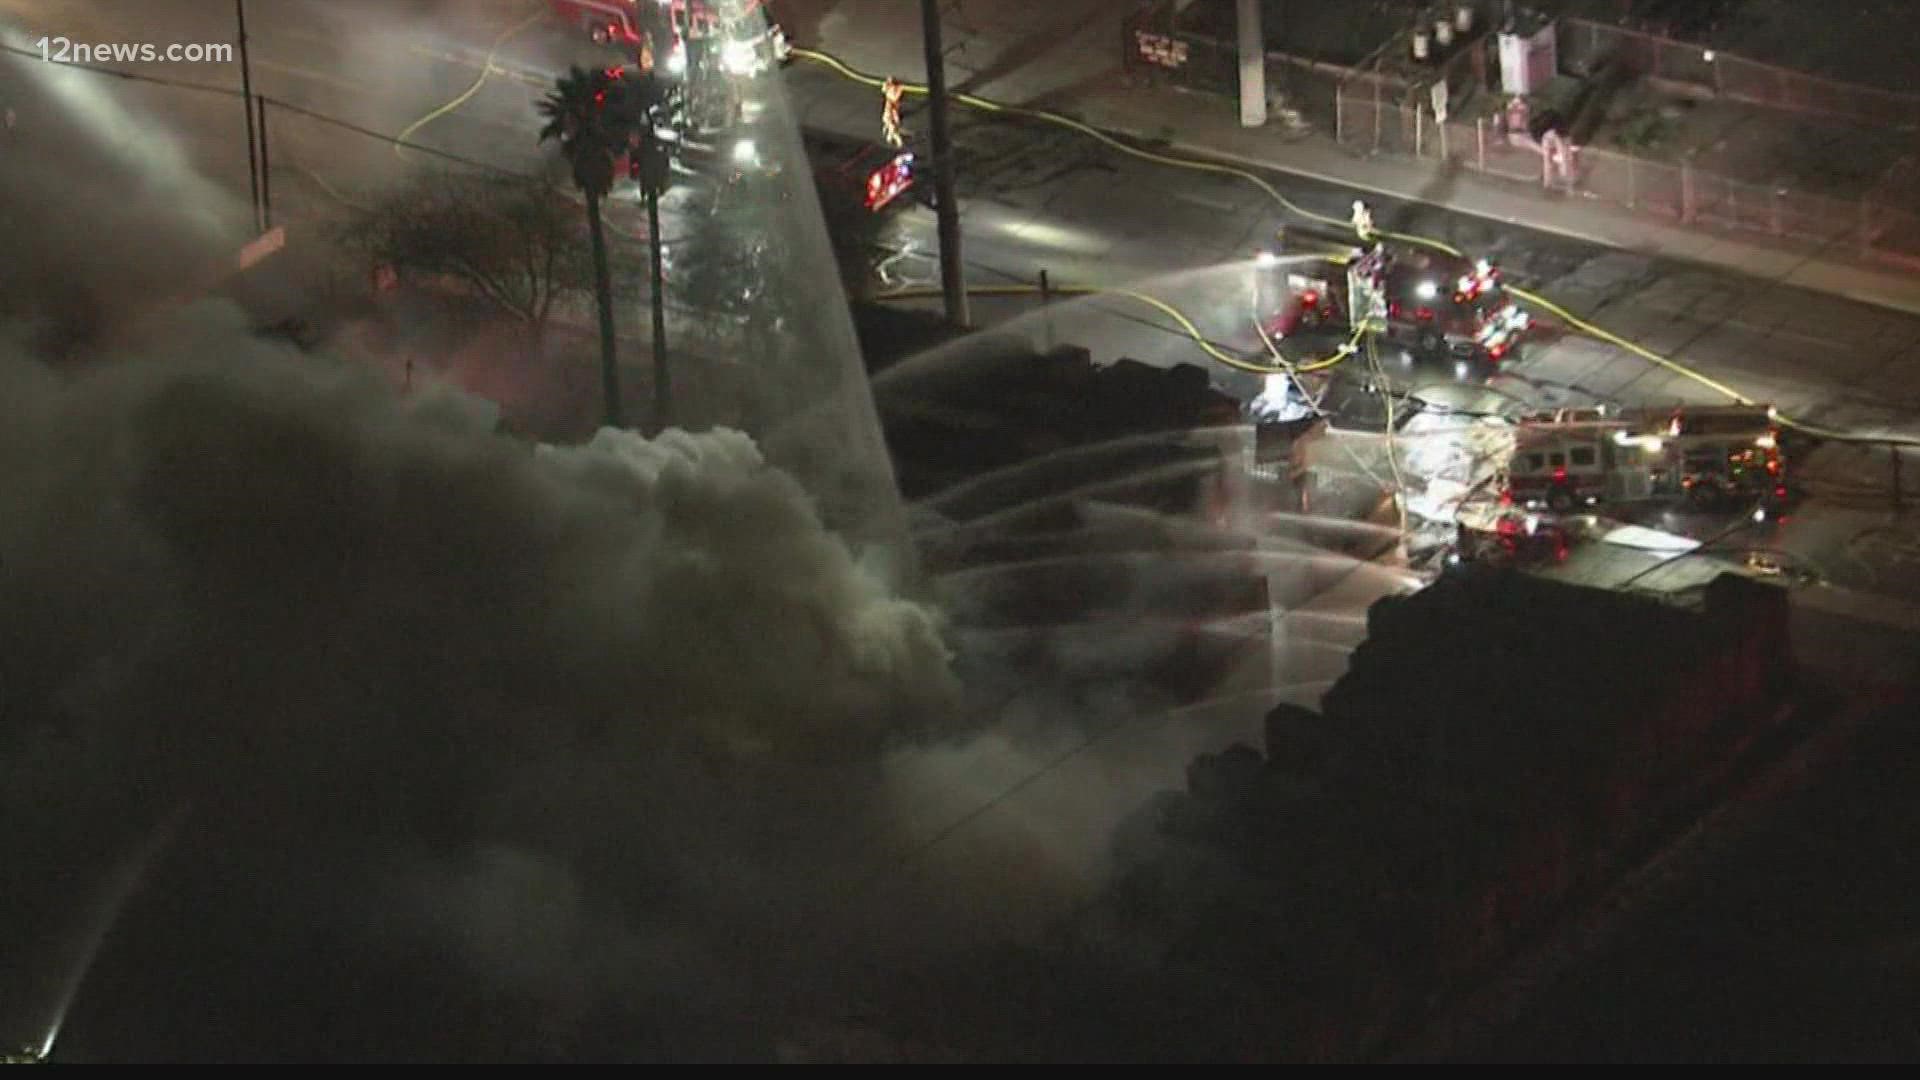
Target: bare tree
x,y
513,241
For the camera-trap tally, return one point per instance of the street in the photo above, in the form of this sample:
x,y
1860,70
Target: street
x,y
1035,198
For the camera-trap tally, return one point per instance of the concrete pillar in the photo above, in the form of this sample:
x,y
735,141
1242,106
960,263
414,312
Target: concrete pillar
x,y
1253,66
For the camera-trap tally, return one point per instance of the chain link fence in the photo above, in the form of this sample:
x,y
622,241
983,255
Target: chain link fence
x,y
1585,45
1369,120
1383,108
1379,112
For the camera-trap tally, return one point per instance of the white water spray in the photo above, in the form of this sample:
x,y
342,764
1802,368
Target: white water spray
x,y
126,880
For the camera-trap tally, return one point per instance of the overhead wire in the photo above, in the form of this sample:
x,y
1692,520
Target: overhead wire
x,y
278,103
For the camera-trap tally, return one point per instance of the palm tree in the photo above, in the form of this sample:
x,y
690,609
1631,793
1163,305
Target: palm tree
x,y
577,116
646,105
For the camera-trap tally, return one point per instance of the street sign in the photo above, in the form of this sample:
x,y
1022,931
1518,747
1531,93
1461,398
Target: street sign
x,y
262,246
1438,93
1160,49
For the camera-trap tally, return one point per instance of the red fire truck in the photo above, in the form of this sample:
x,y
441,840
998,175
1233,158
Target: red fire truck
x,y
1436,304
1705,455
629,22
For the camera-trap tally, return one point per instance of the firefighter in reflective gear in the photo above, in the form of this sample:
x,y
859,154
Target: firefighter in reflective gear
x,y
1362,220
890,93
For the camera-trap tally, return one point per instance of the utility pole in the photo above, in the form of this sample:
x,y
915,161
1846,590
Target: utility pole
x,y
946,207
266,171
246,99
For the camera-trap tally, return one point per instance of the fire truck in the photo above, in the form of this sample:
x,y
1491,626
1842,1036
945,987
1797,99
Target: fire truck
x,y
615,22
1706,456
666,30
1434,304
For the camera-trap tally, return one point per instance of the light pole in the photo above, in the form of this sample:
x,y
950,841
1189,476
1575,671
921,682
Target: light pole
x,y
946,209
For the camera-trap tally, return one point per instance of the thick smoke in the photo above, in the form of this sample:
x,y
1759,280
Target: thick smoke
x,y
560,707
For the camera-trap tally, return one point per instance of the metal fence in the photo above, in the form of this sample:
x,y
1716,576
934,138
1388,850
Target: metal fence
x,y
1585,45
1368,120
1381,107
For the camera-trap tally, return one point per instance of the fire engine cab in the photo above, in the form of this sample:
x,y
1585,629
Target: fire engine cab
x,y
1433,303
1725,454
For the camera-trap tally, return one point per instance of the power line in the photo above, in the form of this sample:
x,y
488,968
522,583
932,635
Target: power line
x,y
297,110
393,140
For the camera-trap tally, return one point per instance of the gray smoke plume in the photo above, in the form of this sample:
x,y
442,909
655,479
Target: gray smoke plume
x,y
546,709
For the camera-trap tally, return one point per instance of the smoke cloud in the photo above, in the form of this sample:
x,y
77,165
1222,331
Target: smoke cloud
x,y
550,708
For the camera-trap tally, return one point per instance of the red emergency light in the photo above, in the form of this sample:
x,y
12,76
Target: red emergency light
x,y
886,183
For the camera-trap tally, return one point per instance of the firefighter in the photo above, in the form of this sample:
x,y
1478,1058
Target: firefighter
x,y
890,94
1362,220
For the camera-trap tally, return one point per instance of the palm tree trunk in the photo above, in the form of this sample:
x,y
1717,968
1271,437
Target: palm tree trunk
x,y
603,297
662,386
